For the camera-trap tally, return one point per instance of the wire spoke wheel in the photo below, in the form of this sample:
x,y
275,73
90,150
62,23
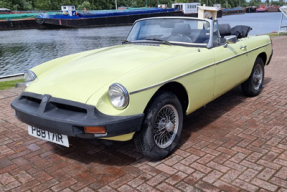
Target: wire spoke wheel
x,y
166,126
161,128
257,77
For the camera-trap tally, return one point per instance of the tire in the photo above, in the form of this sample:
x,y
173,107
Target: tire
x,y
158,136
254,84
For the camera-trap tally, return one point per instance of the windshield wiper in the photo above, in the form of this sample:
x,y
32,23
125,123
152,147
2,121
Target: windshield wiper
x,y
125,41
155,39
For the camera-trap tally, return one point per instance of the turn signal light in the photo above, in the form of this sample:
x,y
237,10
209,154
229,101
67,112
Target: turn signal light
x,y
97,130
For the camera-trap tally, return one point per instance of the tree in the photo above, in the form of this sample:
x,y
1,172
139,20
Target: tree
x,y
85,4
26,5
5,4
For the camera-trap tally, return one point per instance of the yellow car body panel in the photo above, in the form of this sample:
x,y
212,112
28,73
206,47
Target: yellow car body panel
x,y
204,73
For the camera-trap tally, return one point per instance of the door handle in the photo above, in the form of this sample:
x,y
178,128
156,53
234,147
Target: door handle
x,y
243,47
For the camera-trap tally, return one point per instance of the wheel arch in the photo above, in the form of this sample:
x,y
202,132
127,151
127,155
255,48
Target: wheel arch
x,y
175,88
263,56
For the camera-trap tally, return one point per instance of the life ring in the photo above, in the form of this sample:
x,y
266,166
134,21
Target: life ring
x,y
207,15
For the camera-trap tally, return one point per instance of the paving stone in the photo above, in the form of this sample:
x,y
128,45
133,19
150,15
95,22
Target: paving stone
x,y
264,184
282,173
6,178
176,178
266,174
211,177
248,175
157,179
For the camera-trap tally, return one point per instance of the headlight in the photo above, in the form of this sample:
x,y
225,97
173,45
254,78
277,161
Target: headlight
x,y
119,96
29,76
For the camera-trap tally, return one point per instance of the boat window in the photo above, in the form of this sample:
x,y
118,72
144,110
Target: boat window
x,y
172,30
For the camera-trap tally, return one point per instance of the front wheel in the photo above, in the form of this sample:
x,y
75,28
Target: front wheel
x,y
254,84
161,128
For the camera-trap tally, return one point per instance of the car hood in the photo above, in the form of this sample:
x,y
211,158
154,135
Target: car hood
x,y
83,75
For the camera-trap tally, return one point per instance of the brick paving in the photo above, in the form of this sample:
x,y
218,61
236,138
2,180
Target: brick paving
x,y
233,144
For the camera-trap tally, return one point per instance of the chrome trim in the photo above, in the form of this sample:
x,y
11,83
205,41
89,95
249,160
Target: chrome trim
x,y
124,91
210,21
241,54
172,79
150,87
210,42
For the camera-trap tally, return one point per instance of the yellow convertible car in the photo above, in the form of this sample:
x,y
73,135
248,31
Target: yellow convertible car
x,y
166,68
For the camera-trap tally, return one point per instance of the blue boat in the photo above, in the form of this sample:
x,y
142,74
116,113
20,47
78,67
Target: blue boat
x,y
69,18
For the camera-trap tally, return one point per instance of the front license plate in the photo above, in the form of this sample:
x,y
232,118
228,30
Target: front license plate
x,y
49,136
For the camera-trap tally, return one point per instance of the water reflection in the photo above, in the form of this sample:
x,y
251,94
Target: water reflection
x,y
23,49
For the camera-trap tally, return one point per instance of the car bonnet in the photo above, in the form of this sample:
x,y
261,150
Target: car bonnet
x,y
79,79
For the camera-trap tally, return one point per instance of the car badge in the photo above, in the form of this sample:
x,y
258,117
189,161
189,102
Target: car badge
x,y
45,99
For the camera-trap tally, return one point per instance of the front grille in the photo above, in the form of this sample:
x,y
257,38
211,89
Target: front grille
x,y
68,107
31,99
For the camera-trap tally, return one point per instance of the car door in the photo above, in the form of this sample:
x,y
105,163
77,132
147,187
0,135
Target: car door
x,y
231,66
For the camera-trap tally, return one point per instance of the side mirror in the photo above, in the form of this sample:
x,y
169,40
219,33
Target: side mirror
x,y
230,40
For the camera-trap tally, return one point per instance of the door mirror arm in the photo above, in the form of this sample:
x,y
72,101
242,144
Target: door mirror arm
x,y
230,40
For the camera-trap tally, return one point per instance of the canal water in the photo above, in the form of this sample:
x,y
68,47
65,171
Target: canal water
x,y
21,50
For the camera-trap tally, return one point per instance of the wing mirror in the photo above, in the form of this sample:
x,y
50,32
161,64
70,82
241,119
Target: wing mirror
x,y
230,40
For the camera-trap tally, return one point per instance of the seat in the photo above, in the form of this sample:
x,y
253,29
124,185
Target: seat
x,y
180,33
200,35
224,30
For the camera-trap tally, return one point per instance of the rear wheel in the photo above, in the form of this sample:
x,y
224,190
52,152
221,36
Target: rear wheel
x,y
254,84
161,128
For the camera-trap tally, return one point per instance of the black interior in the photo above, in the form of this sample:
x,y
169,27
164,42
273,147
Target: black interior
x,y
183,33
240,31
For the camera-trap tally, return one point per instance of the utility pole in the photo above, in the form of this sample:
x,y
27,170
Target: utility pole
x,y
145,3
116,4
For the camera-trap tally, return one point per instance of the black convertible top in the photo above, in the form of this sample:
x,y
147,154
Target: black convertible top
x,y
239,30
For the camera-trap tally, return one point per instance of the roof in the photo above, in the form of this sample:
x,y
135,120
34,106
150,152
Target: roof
x,y
208,8
4,9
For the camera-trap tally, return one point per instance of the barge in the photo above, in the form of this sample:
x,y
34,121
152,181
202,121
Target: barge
x,y
69,18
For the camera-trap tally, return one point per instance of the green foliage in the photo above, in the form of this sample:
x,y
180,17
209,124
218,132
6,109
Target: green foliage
x,y
27,5
9,84
5,4
85,4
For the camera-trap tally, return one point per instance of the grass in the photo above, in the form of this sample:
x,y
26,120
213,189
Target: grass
x,y
9,84
275,34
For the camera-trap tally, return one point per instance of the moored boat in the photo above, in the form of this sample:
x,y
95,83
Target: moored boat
x,y
69,18
273,8
5,11
261,8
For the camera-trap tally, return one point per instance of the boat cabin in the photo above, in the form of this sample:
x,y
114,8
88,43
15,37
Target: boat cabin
x,y
217,5
186,8
5,11
164,6
68,10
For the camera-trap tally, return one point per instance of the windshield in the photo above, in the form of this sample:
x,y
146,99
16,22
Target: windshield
x,y
173,30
